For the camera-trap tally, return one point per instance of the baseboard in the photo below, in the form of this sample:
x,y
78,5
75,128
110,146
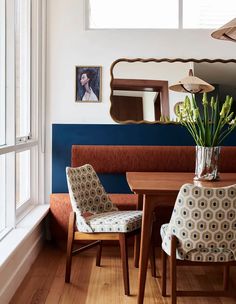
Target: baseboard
x,y
18,266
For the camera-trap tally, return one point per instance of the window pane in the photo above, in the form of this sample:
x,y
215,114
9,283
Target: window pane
x,y
23,43
2,73
133,14
2,193
22,177
207,13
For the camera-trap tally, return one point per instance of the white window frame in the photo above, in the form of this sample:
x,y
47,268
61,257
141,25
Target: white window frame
x,y
2,194
34,141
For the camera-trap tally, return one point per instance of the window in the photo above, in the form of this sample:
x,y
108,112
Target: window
x,y
207,13
20,44
133,14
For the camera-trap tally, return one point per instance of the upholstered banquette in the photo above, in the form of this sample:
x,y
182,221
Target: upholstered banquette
x,y
112,162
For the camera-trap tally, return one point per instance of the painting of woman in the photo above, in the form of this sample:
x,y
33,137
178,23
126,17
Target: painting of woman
x,y
88,84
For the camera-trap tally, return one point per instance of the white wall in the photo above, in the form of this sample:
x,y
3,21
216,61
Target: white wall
x,y
18,264
69,44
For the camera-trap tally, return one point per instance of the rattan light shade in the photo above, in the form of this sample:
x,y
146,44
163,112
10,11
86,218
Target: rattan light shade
x,y
226,32
192,84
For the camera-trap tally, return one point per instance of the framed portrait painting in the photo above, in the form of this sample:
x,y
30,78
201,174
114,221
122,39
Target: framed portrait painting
x,y
88,83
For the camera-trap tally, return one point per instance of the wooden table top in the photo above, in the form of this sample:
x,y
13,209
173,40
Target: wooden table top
x,y
156,182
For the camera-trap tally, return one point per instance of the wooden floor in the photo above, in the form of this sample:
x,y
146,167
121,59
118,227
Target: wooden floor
x,y
104,285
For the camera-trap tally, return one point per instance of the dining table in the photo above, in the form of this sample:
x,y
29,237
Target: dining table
x,y
155,190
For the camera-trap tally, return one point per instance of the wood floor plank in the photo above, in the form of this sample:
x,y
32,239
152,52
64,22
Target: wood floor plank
x,y
104,285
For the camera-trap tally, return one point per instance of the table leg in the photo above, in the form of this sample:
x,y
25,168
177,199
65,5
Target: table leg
x,y
148,208
137,237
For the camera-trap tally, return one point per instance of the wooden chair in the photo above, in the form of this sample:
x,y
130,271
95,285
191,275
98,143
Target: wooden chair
x,y
201,231
95,218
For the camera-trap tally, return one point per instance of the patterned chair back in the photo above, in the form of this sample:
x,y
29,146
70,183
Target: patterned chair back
x,y
87,195
204,221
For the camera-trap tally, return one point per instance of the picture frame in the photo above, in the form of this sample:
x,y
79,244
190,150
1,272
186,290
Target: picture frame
x,y
88,83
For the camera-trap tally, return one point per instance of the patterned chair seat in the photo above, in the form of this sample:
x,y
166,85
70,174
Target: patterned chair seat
x,y
201,254
116,221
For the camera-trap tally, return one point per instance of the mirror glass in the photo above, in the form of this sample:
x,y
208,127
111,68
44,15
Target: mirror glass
x,y
140,87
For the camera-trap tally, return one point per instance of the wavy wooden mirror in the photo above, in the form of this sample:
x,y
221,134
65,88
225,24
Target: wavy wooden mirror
x,y
140,87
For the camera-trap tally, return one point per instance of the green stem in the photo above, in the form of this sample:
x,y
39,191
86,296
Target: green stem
x,y
216,116
216,135
191,123
207,138
199,120
195,138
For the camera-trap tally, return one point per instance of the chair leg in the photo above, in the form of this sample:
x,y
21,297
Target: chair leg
x,y
226,278
69,246
163,275
152,249
173,270
136,249
124,258
137,237
153,259
99,253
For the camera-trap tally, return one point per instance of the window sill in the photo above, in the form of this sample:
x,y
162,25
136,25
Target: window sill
x,y
14,238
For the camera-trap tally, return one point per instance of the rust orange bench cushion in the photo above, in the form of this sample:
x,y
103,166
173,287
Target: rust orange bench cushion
x,y
120,159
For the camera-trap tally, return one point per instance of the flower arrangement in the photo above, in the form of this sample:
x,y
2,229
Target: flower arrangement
x,y
210,127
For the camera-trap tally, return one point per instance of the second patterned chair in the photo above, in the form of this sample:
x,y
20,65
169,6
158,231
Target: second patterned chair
x,y
201,231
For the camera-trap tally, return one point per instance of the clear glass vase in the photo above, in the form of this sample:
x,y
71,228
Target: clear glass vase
x,y
206,167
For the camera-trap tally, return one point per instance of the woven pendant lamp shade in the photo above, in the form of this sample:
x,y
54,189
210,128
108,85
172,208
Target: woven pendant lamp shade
x,y
192,84
226,32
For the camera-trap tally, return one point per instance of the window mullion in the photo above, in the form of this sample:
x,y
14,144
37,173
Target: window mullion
x,y
10,115
180,14
2,72
21,146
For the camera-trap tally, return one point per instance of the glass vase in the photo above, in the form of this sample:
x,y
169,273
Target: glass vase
x,y
206,167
